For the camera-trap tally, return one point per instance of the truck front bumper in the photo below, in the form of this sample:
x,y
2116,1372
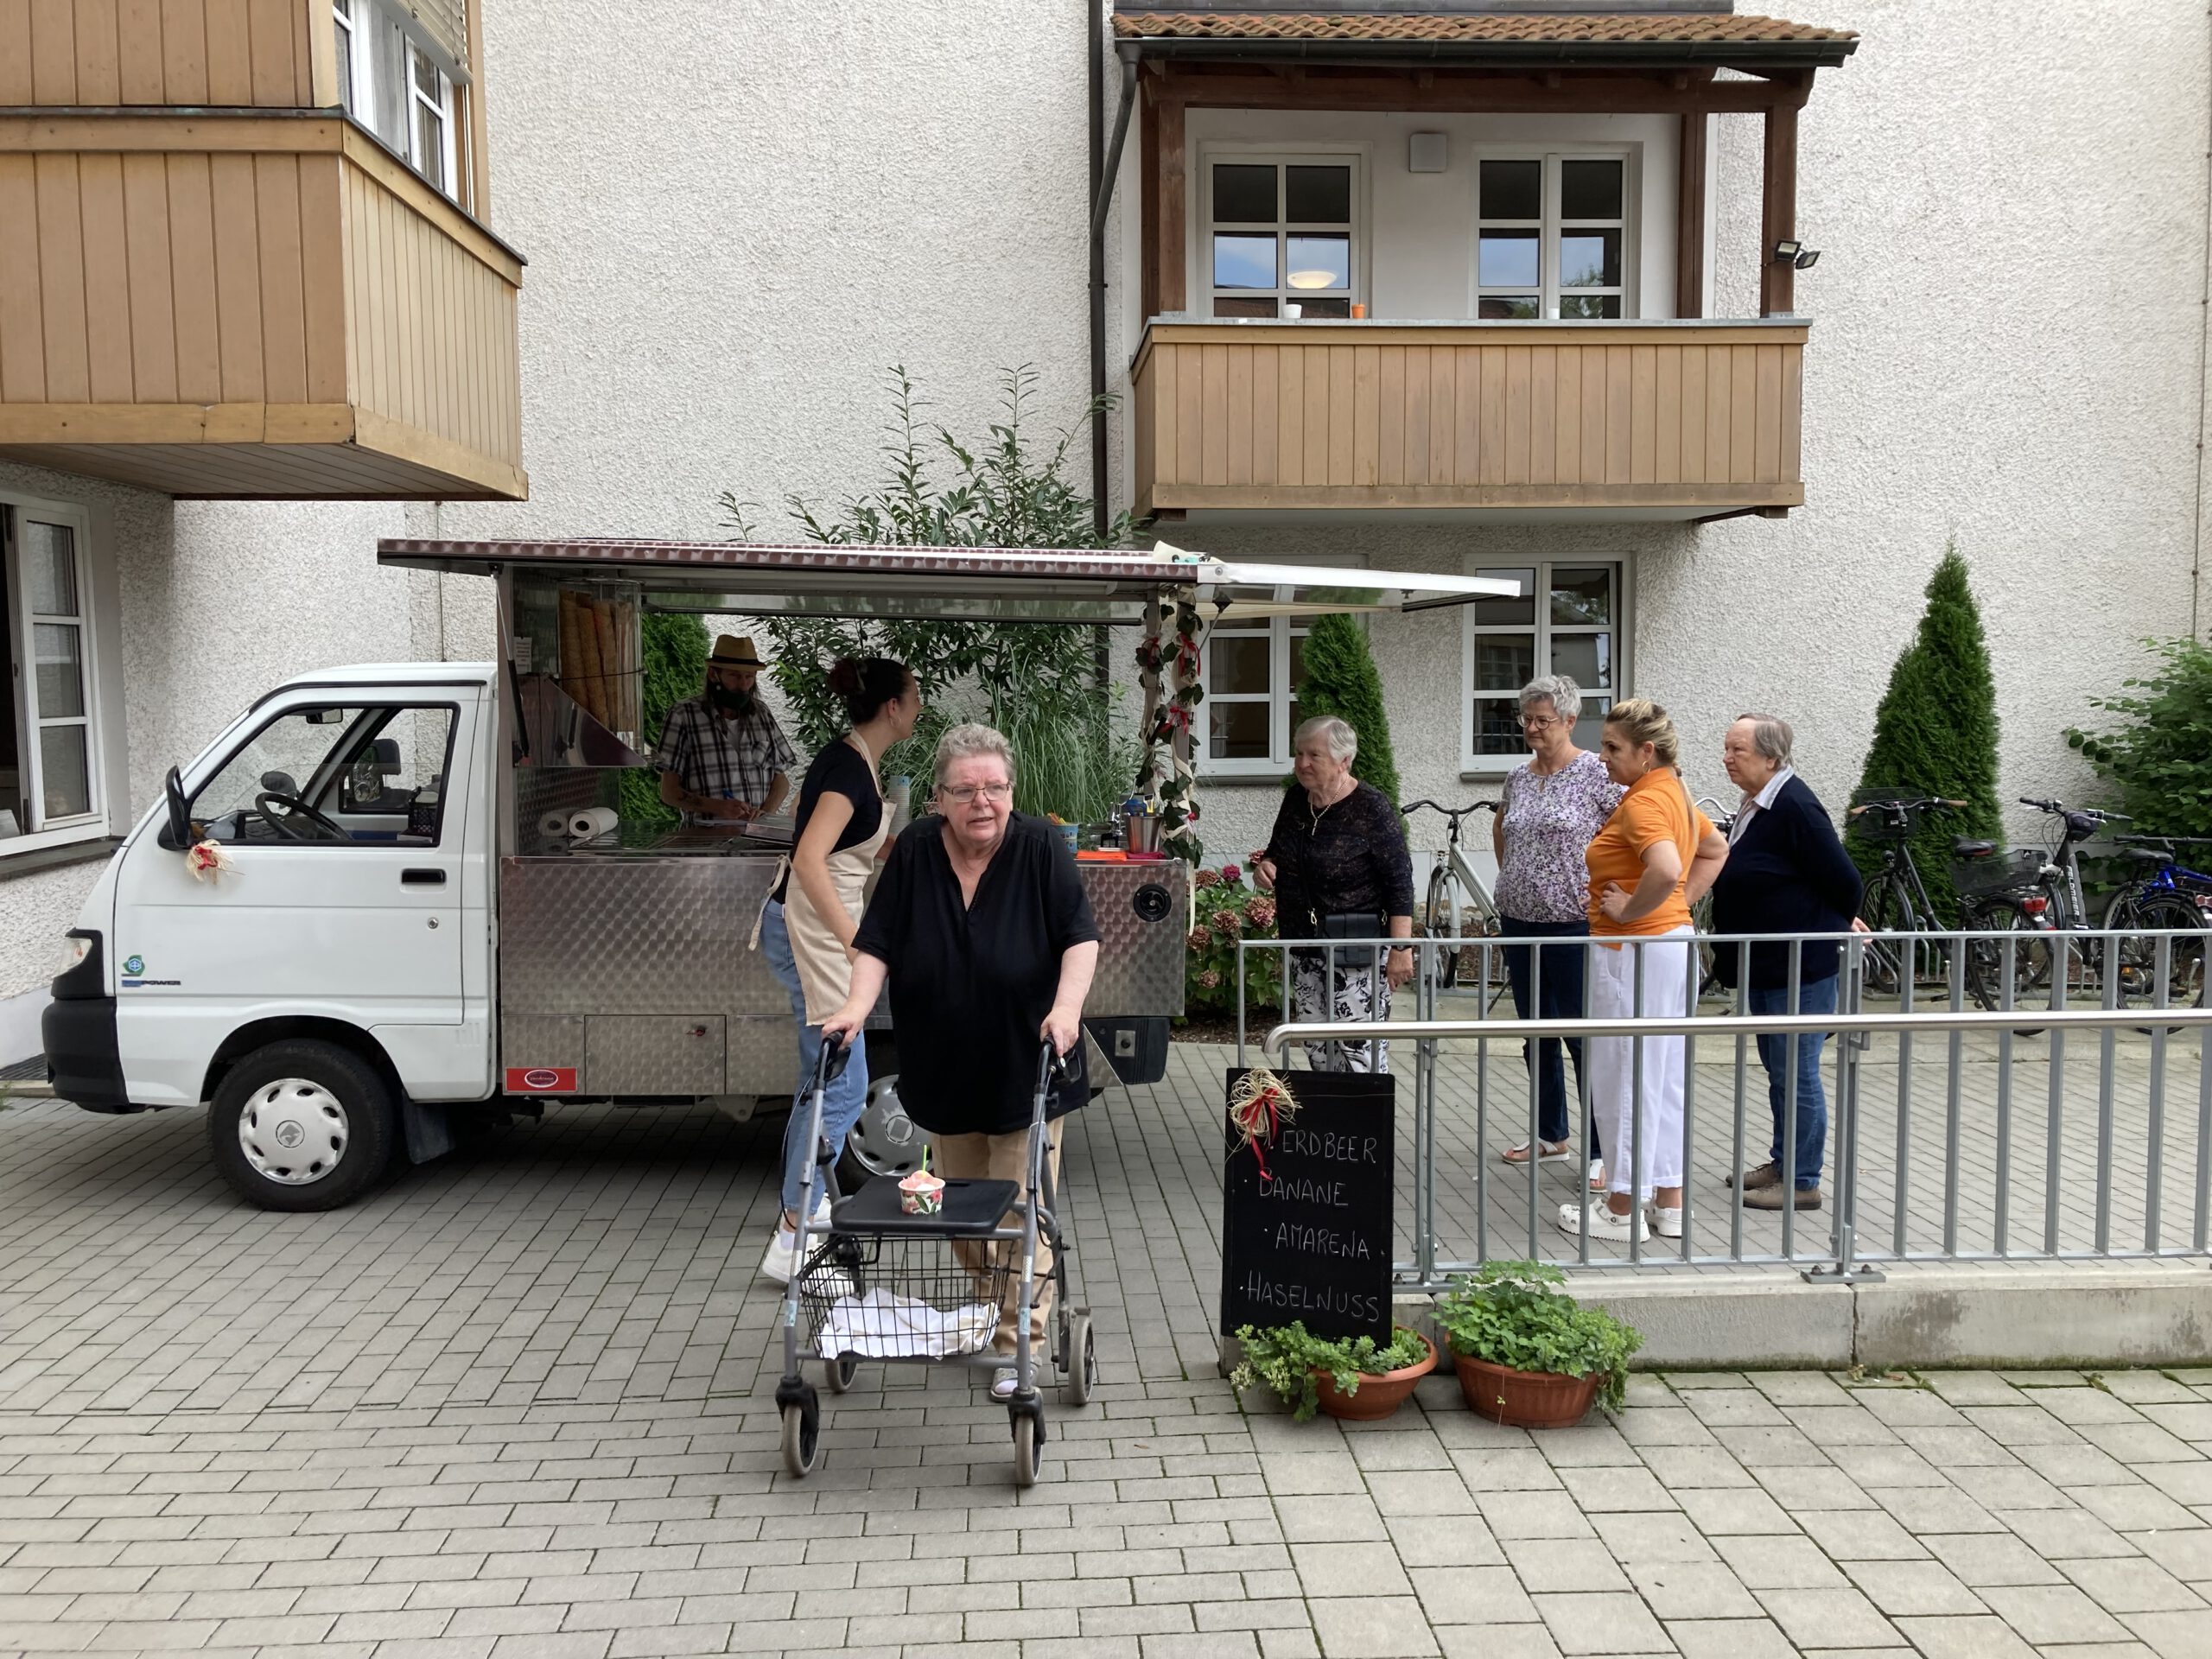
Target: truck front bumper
x,y
82,1057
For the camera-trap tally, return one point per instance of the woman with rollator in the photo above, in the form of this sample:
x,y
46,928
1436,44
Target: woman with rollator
x,y
981,925
1654,859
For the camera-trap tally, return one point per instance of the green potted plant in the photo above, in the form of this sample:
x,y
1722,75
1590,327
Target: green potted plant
x,y
1351,1377
1529,1355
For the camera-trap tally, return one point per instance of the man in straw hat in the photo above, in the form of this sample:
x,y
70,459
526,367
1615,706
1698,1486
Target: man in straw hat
x,y
721,755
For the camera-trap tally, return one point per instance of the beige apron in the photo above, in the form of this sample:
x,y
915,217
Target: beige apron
x,y
825,972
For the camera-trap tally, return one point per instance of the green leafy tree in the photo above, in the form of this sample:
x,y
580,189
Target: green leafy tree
x,y
2162,760
1044,686
1935,733
674,665
1341,680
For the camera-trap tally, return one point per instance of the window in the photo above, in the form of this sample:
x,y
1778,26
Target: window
x,y
1552,236
1281,238
368,774
389,84
50,777
1253,672
1568,621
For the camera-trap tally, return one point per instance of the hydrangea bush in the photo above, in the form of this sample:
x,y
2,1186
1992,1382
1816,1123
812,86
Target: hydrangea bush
x,y
1229,911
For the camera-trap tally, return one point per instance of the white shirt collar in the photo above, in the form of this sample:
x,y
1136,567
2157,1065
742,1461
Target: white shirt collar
x,y
1758,802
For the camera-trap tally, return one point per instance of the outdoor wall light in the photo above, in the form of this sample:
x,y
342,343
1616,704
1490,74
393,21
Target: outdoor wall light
x,y
1809,258
1312,279
1786,252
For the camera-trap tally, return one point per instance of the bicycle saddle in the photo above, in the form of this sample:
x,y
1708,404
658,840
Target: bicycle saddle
x,y
1966,847
2149,855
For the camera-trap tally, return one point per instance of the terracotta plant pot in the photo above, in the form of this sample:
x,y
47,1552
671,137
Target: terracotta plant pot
x,y
1378,1397
1524,1399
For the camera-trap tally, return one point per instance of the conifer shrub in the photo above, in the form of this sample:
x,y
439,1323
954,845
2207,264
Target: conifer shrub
x,y
1341,680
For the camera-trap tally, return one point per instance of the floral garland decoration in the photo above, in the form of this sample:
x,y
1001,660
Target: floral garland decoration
x,y
1259,1106
1171,708
207,860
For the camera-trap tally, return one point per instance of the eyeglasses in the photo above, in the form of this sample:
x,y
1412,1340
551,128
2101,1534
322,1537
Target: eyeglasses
x,y
967,792
1540,722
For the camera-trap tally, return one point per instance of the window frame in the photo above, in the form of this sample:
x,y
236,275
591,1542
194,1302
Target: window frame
x,y
92,824
1474,766
1549,227
1278,631
1355,156
359,21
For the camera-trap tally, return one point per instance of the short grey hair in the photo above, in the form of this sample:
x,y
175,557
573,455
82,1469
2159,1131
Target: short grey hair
x,y
968,741
1562,693
1772,737
1343,742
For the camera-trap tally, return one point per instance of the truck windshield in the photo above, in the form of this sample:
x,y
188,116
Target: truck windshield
x,y
346,761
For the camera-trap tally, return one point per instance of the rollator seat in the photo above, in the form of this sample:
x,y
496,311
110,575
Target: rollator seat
x,y
969,1207
1966,848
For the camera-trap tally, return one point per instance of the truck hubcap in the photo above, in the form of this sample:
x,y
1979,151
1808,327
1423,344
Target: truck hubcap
x,y
884,1140
293,1131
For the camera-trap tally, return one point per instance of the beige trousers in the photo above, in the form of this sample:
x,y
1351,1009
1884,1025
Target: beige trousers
x,y
1003,1158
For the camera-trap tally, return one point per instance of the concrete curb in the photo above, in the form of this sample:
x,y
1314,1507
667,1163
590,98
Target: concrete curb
x,y
2013,1315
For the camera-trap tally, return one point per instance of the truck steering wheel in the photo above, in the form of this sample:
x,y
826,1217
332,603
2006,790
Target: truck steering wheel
x,y
296,810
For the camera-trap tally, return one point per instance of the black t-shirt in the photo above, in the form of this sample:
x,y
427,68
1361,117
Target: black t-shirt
x,y
970,986
839,769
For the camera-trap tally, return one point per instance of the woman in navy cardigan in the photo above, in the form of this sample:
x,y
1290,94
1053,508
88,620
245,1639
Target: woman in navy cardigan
x,y
1786,873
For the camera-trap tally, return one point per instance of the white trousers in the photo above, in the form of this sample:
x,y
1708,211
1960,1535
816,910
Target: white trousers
x,y
1652,1125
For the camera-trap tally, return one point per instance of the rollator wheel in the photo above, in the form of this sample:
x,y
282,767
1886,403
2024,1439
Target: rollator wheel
x,y
803,1437
839,1373
1029,1453
1083,1362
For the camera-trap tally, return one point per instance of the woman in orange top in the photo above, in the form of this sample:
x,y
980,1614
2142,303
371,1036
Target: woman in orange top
x,y
1654,859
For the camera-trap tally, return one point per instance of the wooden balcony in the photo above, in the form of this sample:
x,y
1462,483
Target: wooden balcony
x,y
212,283
1639,420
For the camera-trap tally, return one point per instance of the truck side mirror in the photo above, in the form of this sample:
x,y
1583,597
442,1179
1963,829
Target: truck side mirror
x,y
176,834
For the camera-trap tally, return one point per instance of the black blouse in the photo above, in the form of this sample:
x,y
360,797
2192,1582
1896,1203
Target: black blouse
x,y
970,986
839,769
1350,859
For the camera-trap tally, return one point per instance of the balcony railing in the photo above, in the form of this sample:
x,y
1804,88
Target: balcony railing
x,y
1661,420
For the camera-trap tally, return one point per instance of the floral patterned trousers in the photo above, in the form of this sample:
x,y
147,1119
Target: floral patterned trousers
x,y
1359,993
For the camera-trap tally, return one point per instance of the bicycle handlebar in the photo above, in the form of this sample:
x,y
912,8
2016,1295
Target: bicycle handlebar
x,y
2078,812
1412,807
1897,809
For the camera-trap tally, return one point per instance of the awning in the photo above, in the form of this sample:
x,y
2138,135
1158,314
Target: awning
x,y
1323,33
953,583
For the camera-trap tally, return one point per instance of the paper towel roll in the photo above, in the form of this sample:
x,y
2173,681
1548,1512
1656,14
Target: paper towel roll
x,y
553,825
593,822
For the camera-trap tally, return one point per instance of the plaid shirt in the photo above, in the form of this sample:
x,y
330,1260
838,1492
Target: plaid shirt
x,y
723,760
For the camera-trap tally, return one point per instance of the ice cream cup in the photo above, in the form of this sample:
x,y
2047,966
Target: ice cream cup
x,y
921,1194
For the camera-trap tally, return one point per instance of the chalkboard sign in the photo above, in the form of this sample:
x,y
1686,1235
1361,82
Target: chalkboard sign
x,y
1310,1238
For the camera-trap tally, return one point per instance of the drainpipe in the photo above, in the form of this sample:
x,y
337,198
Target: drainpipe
x,y
1105,167
2203,368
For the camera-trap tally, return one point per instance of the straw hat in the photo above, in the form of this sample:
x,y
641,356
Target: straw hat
x,y
735,650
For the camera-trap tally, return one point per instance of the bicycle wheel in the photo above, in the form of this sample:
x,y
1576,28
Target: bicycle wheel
x,y
1441,922
1887,909
1987,957
2138,956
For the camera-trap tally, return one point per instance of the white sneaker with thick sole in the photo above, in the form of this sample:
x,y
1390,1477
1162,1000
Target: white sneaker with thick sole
x,y
1668,1223
782,1259
1604,1223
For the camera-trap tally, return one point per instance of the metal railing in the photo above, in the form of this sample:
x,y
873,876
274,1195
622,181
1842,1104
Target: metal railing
x,y
2039,1130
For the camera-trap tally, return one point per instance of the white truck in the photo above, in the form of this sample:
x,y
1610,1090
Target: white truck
x,y
399,928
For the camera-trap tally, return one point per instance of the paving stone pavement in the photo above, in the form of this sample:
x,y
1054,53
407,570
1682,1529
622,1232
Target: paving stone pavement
x,y
519,1402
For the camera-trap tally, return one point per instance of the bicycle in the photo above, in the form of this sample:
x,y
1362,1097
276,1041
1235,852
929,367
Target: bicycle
x,y
2169,895
1895,899
1708,958
1454,889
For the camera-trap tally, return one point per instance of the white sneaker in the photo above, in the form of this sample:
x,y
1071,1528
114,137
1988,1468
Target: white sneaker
x,y
1668,1223
782,1259
1604,1223
1004,1381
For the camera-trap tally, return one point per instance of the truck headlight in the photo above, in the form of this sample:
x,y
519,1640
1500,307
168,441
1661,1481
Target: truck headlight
x,y
74,950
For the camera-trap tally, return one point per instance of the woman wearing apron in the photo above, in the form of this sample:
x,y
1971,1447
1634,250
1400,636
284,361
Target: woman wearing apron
x,y
807,925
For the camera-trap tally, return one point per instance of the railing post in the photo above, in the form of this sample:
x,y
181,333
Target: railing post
x,y
1844,1130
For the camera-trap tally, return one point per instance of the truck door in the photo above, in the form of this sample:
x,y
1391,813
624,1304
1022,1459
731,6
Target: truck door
x,y
342,816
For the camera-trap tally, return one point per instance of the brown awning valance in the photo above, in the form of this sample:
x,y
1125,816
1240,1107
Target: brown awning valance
x,y
1603,36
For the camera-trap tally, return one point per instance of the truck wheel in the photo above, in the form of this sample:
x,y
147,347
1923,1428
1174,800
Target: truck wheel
x,y
884,1139
302,1125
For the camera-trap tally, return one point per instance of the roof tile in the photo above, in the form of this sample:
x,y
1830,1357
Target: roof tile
x,y
1654,27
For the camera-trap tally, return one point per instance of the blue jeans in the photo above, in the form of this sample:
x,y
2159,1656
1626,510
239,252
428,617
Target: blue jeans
x,y
1560,997
1816,997
846,1095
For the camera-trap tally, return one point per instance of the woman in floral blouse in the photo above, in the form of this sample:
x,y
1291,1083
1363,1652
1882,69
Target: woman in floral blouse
x,y
1553,805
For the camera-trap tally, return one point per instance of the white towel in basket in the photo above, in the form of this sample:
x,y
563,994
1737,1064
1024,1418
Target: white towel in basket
x,y
880,1325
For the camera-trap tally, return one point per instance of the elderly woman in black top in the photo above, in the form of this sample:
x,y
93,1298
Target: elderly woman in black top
x,y
1786,873
981,926
1337,864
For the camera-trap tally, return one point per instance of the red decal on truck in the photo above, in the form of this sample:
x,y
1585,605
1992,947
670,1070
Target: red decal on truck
x,y
541,1079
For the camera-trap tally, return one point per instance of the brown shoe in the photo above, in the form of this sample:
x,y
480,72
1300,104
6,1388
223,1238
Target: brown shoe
x,y
1764,1175
1770,1197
